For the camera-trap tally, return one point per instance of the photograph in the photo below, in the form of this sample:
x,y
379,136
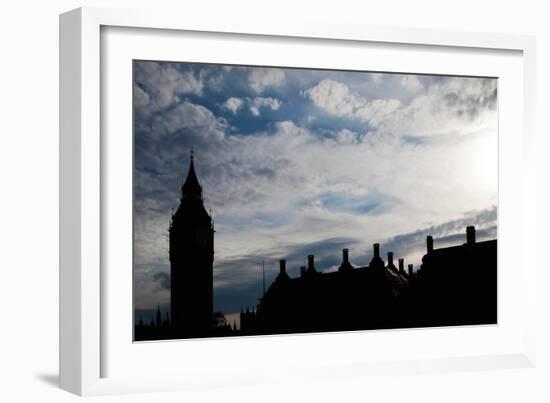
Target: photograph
x,y
273,200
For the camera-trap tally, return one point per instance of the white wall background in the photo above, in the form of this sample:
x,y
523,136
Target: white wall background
x,y
29,199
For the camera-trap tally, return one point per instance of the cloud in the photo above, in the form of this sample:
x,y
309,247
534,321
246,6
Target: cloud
x,y
260,102
348,136
215,83
293,185
233,104
377,77
164,83
141,98
337,99
371,203
261,78
411,83
188,117
148,290
163,279
456,106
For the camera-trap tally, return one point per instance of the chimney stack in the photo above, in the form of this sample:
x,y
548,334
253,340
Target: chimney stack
x,y
470,235
310,262
376,248
390,259
430,243
345,255
401,265
282,266
346,265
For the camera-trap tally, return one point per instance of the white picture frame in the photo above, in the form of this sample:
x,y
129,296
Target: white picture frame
x,y
83,296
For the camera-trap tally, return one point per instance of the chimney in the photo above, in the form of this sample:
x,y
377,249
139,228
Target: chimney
x,y
411,271
390,259
345,255
401,265
470,235
302,270
376,248
430,243
282,266
310,262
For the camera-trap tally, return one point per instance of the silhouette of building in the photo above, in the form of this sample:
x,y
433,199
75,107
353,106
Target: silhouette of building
x,y
453,286
191,254
347,299
457,285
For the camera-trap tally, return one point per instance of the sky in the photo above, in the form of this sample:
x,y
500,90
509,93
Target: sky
x,y
297,161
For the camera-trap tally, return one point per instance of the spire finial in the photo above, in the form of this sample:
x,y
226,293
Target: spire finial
x,y
191,188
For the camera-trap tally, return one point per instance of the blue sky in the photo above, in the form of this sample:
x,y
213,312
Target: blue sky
x,y
296,162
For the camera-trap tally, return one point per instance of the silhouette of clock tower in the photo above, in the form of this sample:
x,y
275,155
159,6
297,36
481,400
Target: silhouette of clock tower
x,y
191,258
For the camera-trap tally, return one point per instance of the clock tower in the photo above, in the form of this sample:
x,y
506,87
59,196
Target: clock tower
x,y
191,262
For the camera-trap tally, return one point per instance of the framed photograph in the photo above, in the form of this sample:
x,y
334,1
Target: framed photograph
x,y
237,198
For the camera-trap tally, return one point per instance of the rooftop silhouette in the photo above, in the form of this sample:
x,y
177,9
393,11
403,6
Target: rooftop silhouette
x,y
454,285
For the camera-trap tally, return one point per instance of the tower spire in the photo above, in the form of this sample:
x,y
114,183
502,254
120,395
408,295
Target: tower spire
x,y
191,188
